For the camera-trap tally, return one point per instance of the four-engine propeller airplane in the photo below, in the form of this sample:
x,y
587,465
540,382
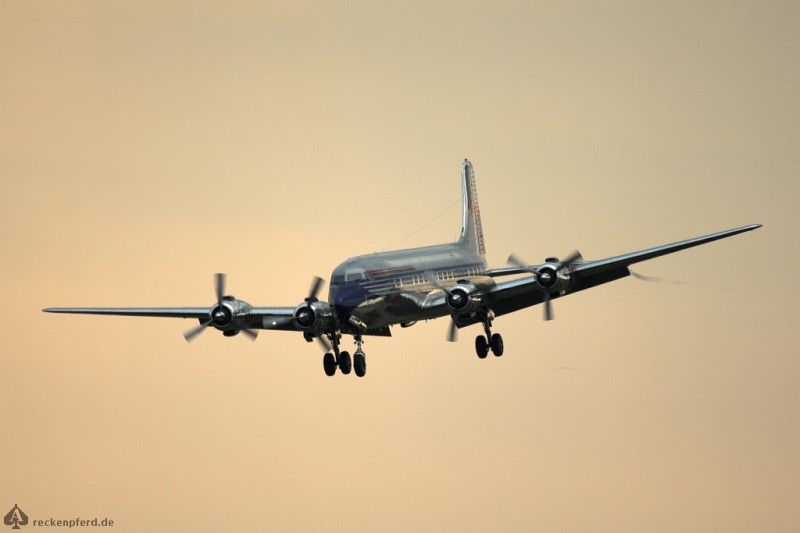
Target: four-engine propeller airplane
x,y
370,293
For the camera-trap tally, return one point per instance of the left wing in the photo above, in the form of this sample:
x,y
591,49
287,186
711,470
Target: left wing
x,y
228,315
257,317
564,279
257,314
231,317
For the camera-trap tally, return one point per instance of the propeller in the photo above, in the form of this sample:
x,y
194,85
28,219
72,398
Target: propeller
x,y
194,332
250,334
452,332
316,285
219,313
546,276
324,344
303,317
654,279
514,260
219,284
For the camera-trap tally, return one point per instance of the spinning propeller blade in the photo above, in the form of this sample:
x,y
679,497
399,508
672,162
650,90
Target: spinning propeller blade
x,y
571,258
219,288
323,342
548,307
219,282
194,332
250,333
514,260
316,285
452,332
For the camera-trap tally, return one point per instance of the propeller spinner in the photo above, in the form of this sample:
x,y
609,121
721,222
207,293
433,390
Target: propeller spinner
x,y
547,276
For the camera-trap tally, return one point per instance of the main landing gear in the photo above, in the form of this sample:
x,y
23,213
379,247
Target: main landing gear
x,y
493,342
341,360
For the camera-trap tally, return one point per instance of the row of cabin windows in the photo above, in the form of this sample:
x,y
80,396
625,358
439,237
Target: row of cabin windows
x,y
419,279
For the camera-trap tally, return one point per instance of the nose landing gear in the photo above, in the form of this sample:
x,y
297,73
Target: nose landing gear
x,y
360,364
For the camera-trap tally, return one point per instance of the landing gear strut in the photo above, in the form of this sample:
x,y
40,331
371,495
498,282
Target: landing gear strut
x,y
359,359
341,360
493,342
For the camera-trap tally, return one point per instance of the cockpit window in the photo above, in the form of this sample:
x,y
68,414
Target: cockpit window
x,y
354,275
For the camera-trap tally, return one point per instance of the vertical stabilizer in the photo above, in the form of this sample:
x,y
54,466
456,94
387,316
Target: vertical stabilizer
x,y
471,231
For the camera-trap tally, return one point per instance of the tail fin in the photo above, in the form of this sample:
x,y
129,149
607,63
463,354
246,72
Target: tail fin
x,y
471,230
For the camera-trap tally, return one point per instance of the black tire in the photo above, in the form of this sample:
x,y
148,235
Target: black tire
x,y
360,364
497,345
345,363
329,364
481,346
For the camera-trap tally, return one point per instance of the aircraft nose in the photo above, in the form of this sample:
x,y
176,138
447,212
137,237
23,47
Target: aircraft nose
x,y
348,297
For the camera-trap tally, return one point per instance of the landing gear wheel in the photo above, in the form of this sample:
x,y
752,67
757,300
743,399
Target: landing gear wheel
x,y
345,363
360,364
497,345
329,364
481,346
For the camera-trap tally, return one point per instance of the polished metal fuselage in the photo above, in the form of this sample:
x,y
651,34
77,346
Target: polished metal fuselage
x,y
387,288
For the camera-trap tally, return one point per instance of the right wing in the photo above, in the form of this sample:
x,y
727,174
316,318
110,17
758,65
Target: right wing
x,y
509,296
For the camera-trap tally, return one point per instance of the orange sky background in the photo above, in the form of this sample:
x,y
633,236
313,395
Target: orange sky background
x,y
145,146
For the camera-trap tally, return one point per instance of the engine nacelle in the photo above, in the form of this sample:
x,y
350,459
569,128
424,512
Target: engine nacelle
x,y
462,298
313,317
230,316
552,279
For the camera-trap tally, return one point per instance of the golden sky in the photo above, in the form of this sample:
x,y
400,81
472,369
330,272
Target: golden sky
x,y
146,145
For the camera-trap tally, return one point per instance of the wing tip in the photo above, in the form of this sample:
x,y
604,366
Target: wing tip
x,y
749,227
742,229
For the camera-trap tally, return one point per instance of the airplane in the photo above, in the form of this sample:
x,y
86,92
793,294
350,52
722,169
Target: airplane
x,y
371,293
